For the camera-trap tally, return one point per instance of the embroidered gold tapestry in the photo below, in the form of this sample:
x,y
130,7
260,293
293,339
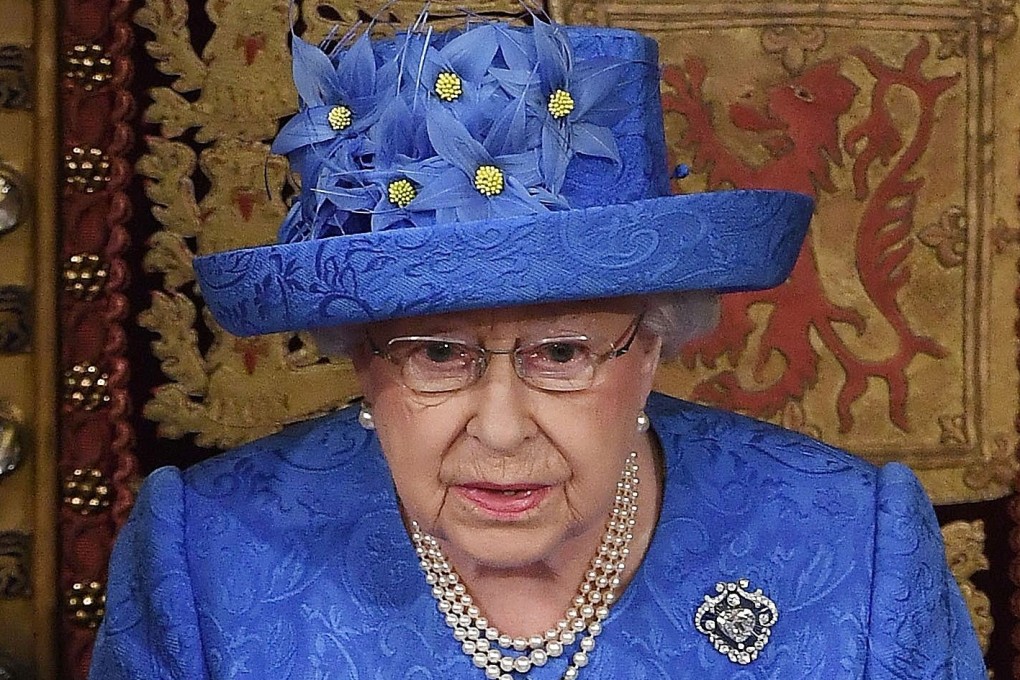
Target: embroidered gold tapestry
x,y
894,336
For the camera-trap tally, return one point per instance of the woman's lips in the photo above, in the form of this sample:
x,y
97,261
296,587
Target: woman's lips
x,y
504,501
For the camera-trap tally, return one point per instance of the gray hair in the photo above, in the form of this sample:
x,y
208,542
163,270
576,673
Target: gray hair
x,y
676,318
680,317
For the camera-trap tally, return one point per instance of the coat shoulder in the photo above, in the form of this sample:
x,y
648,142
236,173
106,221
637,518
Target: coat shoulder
x,y
684,427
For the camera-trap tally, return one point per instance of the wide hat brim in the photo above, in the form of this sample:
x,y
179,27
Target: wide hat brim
x,y
723,241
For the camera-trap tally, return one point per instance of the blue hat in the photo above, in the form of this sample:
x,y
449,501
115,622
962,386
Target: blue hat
x,y
488,167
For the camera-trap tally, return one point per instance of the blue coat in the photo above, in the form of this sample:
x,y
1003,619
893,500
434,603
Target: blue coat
x,y
287,558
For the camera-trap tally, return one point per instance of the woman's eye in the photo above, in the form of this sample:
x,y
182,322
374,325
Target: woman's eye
x,y
560,352
440,352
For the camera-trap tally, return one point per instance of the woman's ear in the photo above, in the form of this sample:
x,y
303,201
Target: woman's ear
x,y
360,356
361,361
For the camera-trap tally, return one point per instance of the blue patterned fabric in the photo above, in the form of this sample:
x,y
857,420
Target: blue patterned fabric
x,y
585,214
287,559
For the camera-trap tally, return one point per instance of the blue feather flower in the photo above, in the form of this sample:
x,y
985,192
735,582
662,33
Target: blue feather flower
x,y
336,102
452,70
403,159
576,104
474,183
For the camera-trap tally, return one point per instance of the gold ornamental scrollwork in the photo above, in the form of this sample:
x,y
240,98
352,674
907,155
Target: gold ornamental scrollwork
x,y
965,552
223,389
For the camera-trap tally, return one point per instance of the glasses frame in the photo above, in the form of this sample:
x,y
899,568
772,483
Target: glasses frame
x,y
481,363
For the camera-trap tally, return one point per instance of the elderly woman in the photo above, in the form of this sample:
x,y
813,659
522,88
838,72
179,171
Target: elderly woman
x,y
485,230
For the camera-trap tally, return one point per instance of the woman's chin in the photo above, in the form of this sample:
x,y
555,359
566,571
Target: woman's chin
x,y
503,548
507,531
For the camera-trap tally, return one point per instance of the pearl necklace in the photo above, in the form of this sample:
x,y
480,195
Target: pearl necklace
x,y
589,608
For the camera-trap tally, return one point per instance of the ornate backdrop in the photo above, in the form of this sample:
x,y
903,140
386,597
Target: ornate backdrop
x,y
894,338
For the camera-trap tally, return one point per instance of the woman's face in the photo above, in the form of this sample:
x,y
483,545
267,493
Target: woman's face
x,y
506,474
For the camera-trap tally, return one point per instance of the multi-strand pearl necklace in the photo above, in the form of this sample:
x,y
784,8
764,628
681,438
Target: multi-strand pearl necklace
x,y
485,644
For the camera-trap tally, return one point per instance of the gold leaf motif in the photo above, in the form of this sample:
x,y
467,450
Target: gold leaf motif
x,y
172,316
170,165
170,256
248,91
178,415
237,389
998,469
965,552
948,237
172,49
792,43
173,112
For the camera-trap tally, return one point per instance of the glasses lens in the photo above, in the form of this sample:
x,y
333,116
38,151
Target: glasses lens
x,y
559,365
433,364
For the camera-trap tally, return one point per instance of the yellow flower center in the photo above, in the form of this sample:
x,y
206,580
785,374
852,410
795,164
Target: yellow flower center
x,y
340,118
560,104
449,86
401,192
489,180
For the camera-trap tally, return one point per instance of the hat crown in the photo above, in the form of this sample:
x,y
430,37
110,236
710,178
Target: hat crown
x,y
492,121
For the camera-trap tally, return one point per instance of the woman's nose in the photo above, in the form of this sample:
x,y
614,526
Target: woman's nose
x,y
502,420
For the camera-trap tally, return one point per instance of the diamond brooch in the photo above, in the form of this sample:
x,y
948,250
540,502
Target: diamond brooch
x,y
737,621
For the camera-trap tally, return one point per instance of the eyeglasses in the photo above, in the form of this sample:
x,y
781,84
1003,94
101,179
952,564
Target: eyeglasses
x,y
432,365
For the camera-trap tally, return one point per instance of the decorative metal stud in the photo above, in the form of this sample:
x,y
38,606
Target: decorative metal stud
x,y
15,81
87,170
14,570
86,603
15,324
87,491
738,622
85,275
10,438
88,66
85,387
12,199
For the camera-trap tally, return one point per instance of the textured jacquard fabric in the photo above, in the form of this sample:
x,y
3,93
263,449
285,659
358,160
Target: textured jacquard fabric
x,y
287,558
737,240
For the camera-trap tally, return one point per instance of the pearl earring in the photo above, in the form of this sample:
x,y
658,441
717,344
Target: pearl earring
x,y
643,422
365,417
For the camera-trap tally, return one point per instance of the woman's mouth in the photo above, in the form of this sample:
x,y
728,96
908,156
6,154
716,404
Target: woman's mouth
x,y
503,501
